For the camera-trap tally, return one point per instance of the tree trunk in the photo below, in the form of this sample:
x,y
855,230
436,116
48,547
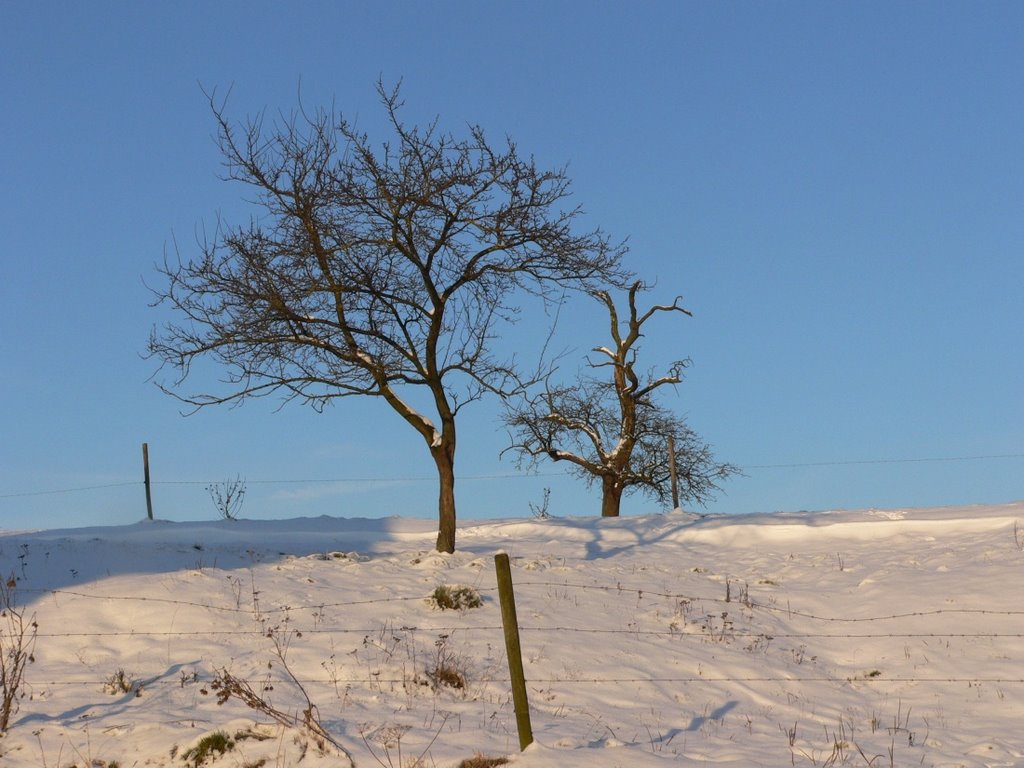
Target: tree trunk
x,y
444,458
611,496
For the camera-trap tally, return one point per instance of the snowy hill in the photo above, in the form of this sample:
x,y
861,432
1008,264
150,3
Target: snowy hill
x,y
855,638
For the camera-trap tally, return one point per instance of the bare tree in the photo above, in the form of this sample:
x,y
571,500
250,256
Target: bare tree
x,y
611,429
375,271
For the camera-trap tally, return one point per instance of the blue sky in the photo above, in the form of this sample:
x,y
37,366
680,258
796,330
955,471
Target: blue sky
x,y
836,189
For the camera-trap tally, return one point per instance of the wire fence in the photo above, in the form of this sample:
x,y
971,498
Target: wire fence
x,y
24,493
640,593
279,481
570,623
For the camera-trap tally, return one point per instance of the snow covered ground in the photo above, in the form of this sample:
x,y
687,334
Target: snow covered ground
x,y
857,638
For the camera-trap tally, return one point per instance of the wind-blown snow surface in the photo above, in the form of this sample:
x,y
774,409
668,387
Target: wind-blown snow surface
x,y
873,637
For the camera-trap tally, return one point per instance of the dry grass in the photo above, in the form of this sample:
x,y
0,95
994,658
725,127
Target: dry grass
x,y
480,761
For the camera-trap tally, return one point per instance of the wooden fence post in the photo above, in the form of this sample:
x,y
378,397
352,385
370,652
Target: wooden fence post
x,y
672,471
145,473
512,650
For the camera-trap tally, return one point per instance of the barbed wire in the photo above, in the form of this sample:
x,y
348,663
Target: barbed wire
x,y
375,680
263,633
258,614
675,634
789,611
508,475
408,479
287,481
69,490
372,679
232,609
750,604
856,462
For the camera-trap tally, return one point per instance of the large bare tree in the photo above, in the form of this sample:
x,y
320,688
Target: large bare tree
x,y
610,428
374,270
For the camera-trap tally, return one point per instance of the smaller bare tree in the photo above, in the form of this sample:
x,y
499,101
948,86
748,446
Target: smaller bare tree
x,y
611,429
17,641
227,497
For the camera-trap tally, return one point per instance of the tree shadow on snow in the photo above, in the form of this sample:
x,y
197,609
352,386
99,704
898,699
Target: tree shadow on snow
x,y
70,558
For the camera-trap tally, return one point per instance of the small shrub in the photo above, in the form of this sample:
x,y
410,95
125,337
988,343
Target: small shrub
x,y
17,642
448,675
455,598
218,741
122,682
448,668
480,761
227,497
540,511
389,737
226,686
249,733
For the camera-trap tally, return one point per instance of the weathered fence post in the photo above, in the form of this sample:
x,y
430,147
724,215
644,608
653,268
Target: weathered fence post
x,y
672,471
512,650
145,473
